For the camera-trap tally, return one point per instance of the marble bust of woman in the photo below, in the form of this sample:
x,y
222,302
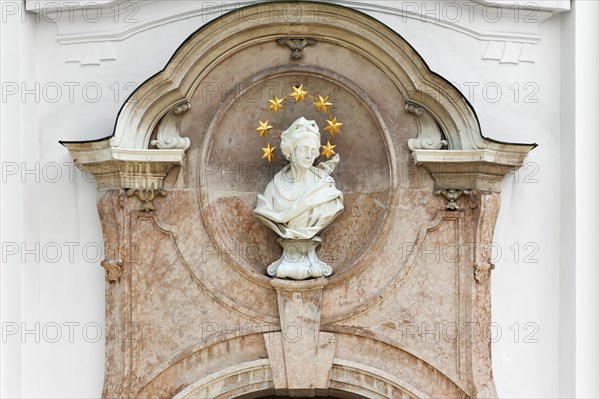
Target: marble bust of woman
x,y
301,200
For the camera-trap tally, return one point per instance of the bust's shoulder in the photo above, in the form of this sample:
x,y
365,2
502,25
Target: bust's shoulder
x,y
281,173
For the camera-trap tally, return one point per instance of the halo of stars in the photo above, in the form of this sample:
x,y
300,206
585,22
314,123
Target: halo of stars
x,y
322,104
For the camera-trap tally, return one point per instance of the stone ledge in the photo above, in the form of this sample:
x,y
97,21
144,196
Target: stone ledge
x,y
482,169
297,286
114,168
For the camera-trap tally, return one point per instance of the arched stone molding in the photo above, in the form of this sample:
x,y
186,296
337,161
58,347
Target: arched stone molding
x,y
255,378
232,382
158,102
216,41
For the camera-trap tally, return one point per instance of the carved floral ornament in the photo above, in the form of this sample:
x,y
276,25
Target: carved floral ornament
x,y
181,262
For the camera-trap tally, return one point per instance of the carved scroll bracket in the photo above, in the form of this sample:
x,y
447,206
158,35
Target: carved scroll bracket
x,y
296,45
430,134
168,136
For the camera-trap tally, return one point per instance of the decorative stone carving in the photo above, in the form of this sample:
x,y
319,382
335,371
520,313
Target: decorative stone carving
x,y
296,45
129,164
484,220
113,269
471,163
299,260
483,270
146,196
477,169
462,160
452,196
168,130
300,202
430,136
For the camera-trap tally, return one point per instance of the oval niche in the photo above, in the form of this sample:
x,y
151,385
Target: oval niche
x,y
232,171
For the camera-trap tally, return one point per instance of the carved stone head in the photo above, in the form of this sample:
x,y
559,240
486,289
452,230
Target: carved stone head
x,y
302,130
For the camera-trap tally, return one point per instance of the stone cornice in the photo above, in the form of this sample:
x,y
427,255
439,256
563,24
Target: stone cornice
x,y
113,168
482,169
505,158
514,21
546,5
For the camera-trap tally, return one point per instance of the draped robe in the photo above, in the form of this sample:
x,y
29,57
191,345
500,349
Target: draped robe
x,y
299,210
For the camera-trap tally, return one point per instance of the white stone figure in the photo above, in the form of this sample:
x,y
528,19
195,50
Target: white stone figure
x,y
299,202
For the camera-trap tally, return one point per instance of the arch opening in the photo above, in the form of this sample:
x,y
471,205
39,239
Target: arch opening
x,y
334,394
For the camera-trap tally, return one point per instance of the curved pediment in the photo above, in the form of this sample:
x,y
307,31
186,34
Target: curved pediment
x,y
263,25
447,128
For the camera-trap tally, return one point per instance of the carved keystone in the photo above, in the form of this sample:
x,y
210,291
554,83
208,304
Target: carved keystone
x,y
300,355
296,45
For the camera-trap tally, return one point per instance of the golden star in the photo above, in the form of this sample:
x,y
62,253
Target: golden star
x,y
275,104
328,150
323,104
333,127
264,127
299,93
268,152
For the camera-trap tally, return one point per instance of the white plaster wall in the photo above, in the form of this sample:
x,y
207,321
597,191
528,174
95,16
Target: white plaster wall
x,y
58,287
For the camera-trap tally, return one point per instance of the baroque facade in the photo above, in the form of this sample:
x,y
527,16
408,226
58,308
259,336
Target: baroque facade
x,y
406,311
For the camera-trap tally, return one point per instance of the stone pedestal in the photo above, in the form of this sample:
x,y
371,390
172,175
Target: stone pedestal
x,y
299,260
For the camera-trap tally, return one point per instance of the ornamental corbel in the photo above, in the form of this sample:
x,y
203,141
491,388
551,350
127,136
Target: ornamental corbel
x,y
124,168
